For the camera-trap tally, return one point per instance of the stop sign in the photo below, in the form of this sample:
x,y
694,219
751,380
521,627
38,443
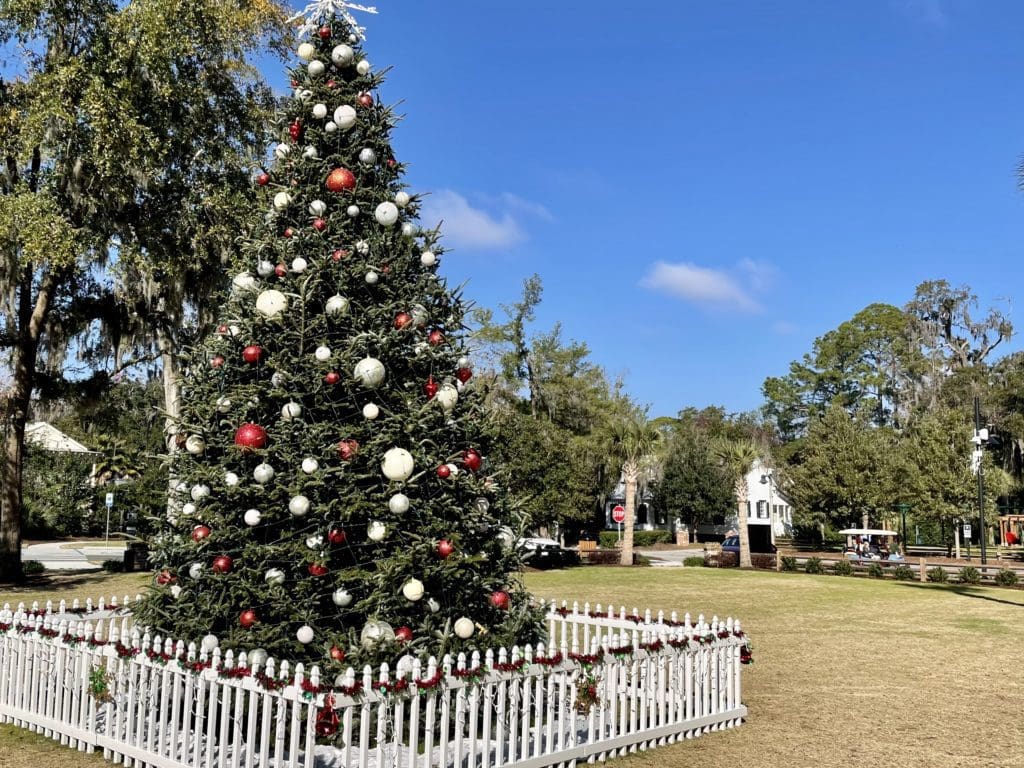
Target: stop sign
x,y
618,513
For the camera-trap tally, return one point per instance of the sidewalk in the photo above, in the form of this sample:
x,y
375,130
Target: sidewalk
x,y
71,555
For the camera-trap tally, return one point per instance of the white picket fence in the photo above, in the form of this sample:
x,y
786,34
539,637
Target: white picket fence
x,y
608,683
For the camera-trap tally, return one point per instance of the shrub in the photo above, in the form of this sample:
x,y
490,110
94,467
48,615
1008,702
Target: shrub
x,y
903,573
113,566
728,560
609,539
843,568
875,571
602,557
1006,578
693,562
813,565
32,567
763,560
937,575
789,563
968,575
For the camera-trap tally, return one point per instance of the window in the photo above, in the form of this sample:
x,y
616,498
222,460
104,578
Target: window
x,y
762,510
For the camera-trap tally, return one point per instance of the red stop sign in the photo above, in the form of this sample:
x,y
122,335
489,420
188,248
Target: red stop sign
x,y
618,513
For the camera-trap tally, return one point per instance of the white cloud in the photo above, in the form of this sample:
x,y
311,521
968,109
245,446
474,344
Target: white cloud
x,y
466,226
702,285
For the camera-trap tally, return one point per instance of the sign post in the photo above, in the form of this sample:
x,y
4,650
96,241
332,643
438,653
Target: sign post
x,y
618,515
110,504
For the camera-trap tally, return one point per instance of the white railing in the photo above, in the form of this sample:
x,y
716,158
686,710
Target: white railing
x,y
609,683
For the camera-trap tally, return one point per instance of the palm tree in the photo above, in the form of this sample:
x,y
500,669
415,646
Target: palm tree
x,y
737,457
632,439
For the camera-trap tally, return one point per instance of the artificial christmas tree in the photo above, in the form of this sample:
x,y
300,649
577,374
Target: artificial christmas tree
x,y
336,504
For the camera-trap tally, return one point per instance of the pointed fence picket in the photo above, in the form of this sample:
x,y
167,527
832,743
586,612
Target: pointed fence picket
x,y
606,683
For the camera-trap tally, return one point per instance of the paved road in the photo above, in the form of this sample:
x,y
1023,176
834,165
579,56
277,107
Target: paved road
x,y
69,556
669,558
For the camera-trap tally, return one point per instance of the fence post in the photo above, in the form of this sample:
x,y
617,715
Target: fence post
x,y
923,570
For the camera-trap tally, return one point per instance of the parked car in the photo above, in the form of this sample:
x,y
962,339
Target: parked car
x,y
732,544
538,552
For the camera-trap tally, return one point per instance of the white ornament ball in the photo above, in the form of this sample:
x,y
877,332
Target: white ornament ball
x,y
223,404
371,411
342,55
299,265
282,200
304,634
263,473
363,67
376,531
304,94
428,259
310,152
314,542
352,211
367,156
271,304
336,306
278,379
200,492
322,353
310,465
195,570
369,372
195,445
397,464
317,208
413,590
265,269
252,517
341,597
175,591
463,362
256,658
315,68
408,229
419,315
399,504
306,51
362,247
188,509
375,632
274,577
345,117
243,281
298,506
464,628
433,605
319,111
210,643
290,411
447,396
372,278
402,199
234,330
386,214
231,479
352,38
453,469
281,151
330,126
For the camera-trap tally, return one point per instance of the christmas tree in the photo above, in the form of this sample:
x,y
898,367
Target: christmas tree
x,y
334,500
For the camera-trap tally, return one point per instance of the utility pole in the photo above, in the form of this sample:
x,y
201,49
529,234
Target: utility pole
x,y
979,440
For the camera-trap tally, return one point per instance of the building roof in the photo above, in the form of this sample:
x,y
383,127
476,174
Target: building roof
x,y
49,438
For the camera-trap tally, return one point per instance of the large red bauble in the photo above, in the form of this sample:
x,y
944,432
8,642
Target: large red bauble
x,y
430,388
200,532
247,618
336,536
295,130
288,232
165,577
500,599
463,374
339,254
341,180
217,361
365,99
471,460
403,320
347,449
445,548
222,564
444,471
324,32
263,179
332,377
337,654
317,569
280,270
250,437
435,337
403,634
319,224
252,353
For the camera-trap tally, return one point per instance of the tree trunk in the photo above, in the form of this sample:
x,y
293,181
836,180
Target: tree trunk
x,y
744,532
172,407
630,474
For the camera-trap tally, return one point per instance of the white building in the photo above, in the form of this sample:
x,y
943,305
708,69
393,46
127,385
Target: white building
x,y
769,512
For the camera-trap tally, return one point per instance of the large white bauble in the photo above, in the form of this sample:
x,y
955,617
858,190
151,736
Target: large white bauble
x,y
209,643
397,464
278,379
306,51
265,268
230,479
463,362
195,570
243,281
315,68
341,597
464,627
263,473
453,469
310,465
330,126
322,353
274,577
319,111
256,658
408,229
195,445
271,303
412,590
386,213
298,506
352,211
399,503
281,151
402,199
305,634
336,306
367,156
363,67
188,509
290,411
433,605
252,517
314,542
310,152
375,632
200,492
362,247
369,372
428,259
372,278
299,265
419,315
175,591
376,531
317,208
282,200
304,94
345,117
447,396
342,55
371,411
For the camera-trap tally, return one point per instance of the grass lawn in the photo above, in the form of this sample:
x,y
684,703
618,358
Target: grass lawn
x,y
847,672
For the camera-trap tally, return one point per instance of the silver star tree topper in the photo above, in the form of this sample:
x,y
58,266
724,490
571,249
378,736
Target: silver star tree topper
x,y
316,13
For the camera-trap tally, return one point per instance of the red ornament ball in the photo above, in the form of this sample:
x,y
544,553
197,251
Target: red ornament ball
x,y
222,564
263,179
250,437
339,254
435,337
201,532
500,599
319,224
347,449
331,84
288,232
430,388
471,460
217,361
317,569
280,270
252,353
403,635
463,375
332,377
341,180
365,99
444,471
222,329
324,32
295,83
247,618
336,536
165,577
392,162
403,320
337,654
445,547
295,130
